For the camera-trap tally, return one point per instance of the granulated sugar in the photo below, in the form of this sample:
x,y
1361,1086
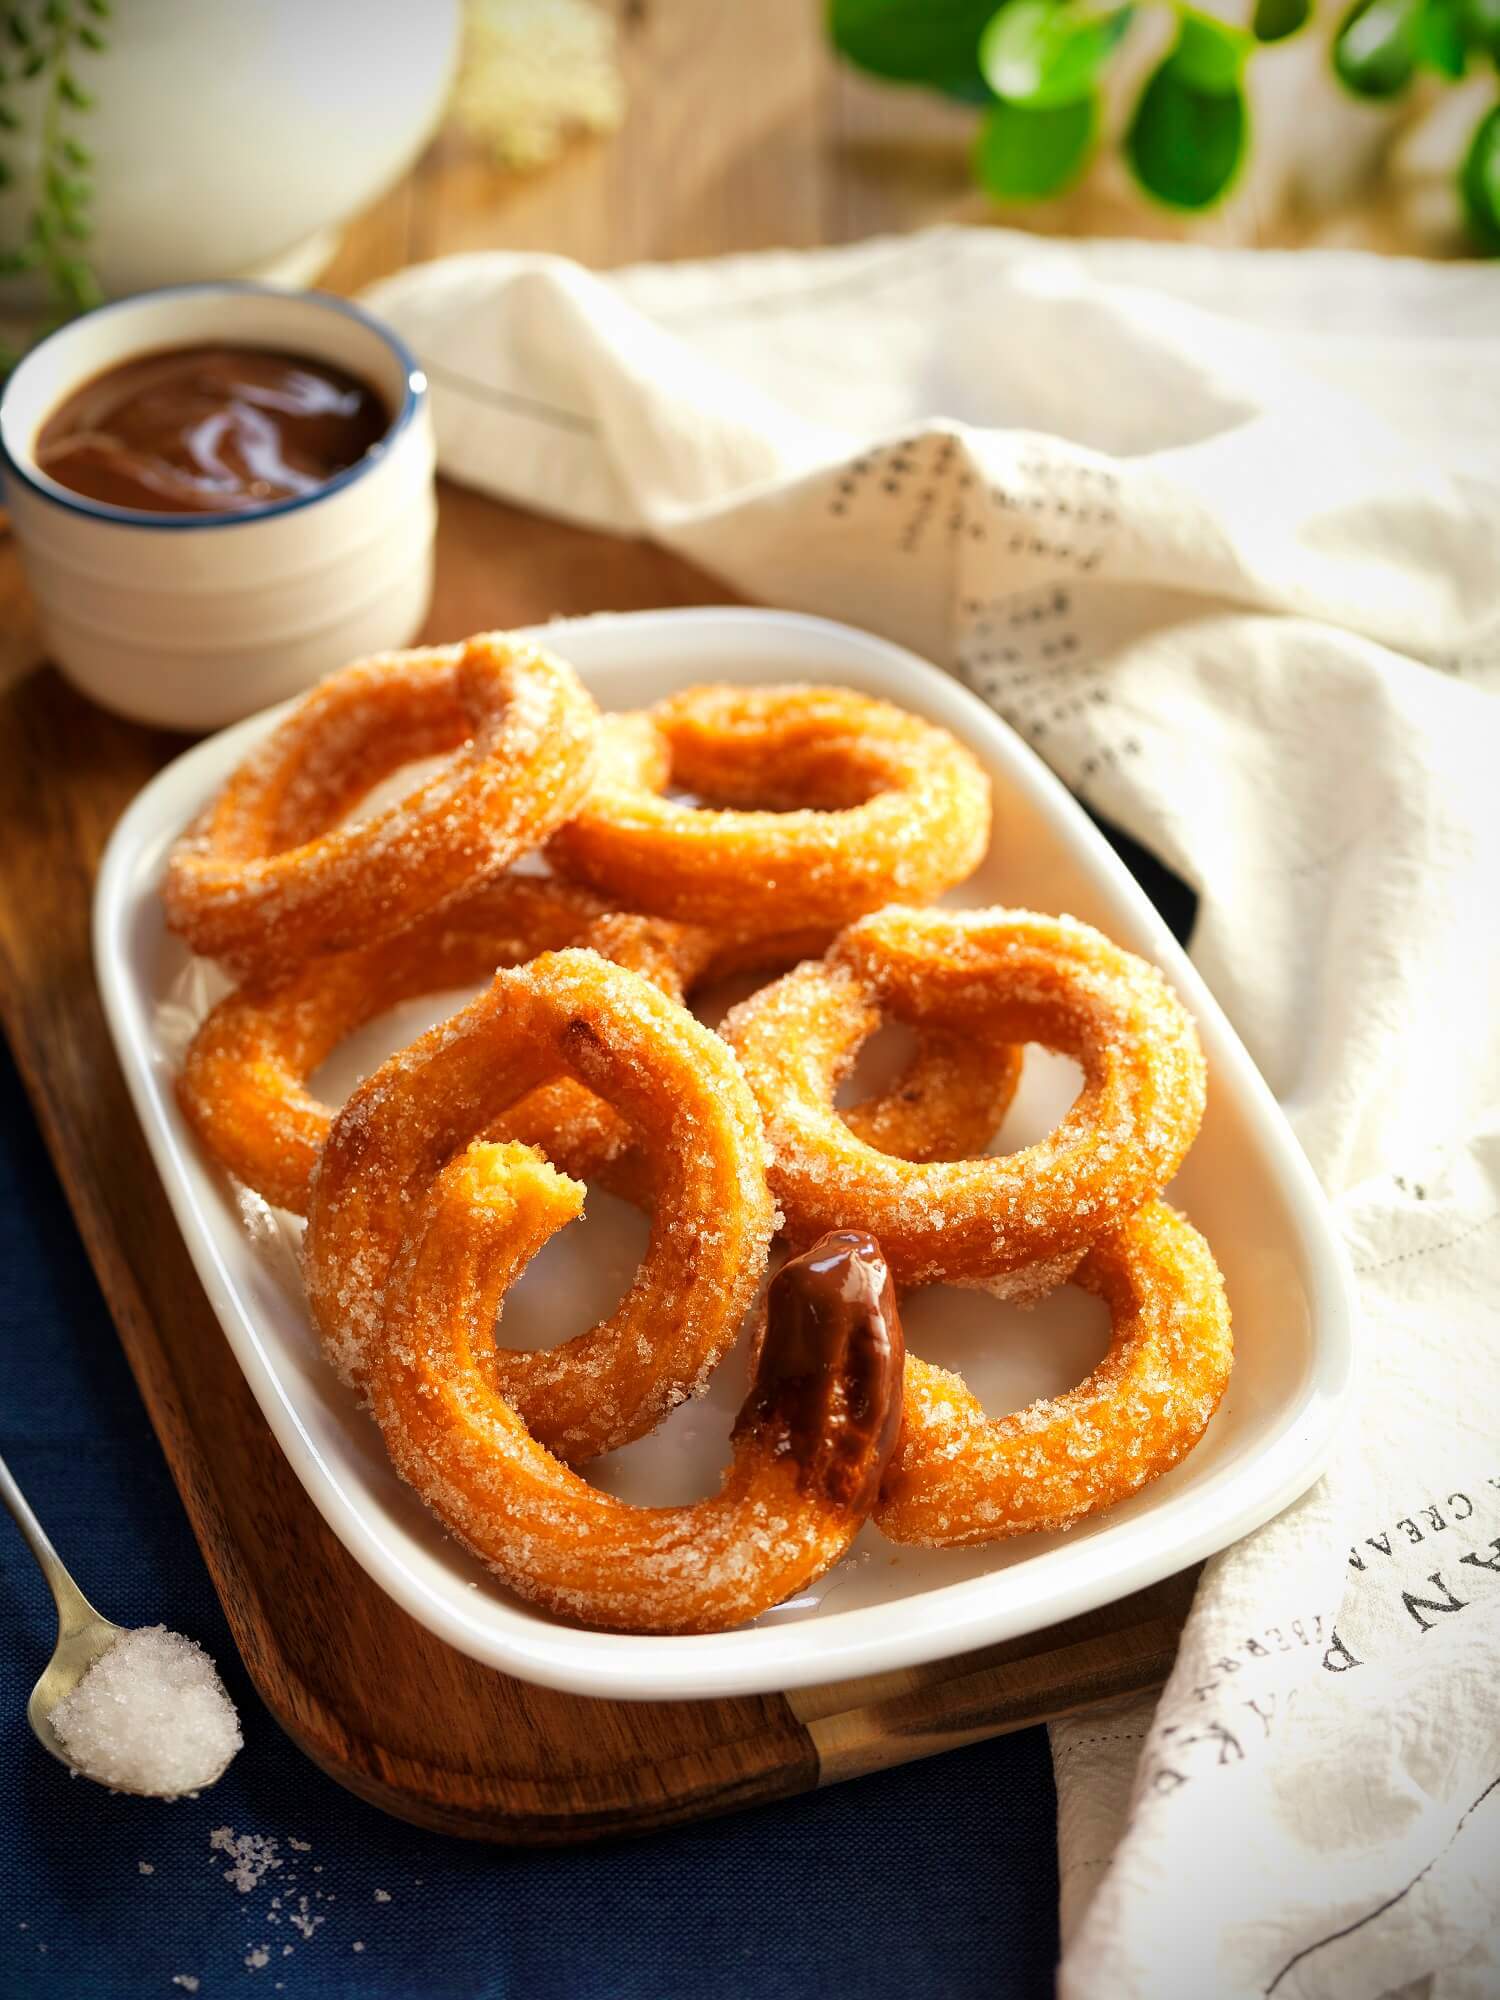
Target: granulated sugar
x,y
251,1855
150,1715
277,1893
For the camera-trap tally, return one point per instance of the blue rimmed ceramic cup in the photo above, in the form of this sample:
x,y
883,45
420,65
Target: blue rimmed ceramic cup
x,y
194,620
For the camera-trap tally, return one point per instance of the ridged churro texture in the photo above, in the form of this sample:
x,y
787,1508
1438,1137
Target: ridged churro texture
x,y
809,1448
571,1013
1016,1224
961,1477
818,804
274,872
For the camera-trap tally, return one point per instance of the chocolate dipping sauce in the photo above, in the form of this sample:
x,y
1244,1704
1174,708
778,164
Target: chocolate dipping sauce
x,y
210,430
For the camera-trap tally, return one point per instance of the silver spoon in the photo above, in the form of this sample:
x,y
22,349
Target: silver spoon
x,y
82,1635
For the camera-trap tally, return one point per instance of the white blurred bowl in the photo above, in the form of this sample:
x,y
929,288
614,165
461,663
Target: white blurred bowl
x,y
231,139
194,620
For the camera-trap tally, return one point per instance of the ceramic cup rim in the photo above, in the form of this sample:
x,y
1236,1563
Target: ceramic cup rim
x,y
20,466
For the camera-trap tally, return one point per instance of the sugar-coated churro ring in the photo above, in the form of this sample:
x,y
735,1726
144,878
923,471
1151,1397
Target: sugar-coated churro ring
x,y
1018,1223
268,876
961,1477
820,804
811,1441
243,1083
571,1013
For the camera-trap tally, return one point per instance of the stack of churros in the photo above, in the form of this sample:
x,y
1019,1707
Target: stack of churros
x,y
598,872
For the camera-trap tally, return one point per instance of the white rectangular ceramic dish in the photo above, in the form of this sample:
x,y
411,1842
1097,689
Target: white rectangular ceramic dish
x,y
1245,1184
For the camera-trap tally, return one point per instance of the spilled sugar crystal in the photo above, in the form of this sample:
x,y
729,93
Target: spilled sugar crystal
x,y
150,1715
251,1855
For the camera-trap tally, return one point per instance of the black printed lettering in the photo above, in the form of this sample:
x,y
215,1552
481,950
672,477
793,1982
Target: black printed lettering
x,y
1228,1743
1434,1519
1417,1605
1413,1532
1476,1561
1453,1500
1338,1659
1381,1542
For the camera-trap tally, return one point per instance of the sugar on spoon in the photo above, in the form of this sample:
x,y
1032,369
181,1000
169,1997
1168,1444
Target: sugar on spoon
x,y
138,1710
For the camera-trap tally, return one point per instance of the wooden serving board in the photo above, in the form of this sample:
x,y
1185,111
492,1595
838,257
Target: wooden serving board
x,y
373,1698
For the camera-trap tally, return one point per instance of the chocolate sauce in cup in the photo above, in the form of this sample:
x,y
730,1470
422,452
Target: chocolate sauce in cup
x,y
210,430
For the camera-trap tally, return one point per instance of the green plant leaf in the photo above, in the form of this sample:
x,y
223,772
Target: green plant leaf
x,y
100,9
18,28
34,63
76,153
1026,152
1481,19
25,258
92,39
9,121
55,14
71,91
7,175
1274,20
68,191
1186,140
1440,37
1209,54
78,282
935,42
1040,52
1479,183
1375,50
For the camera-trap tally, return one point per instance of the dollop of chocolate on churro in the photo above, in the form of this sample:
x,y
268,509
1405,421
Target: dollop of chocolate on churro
x,y
828,1379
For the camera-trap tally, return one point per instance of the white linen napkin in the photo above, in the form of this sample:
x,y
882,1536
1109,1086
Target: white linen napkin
x,y
1219,534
